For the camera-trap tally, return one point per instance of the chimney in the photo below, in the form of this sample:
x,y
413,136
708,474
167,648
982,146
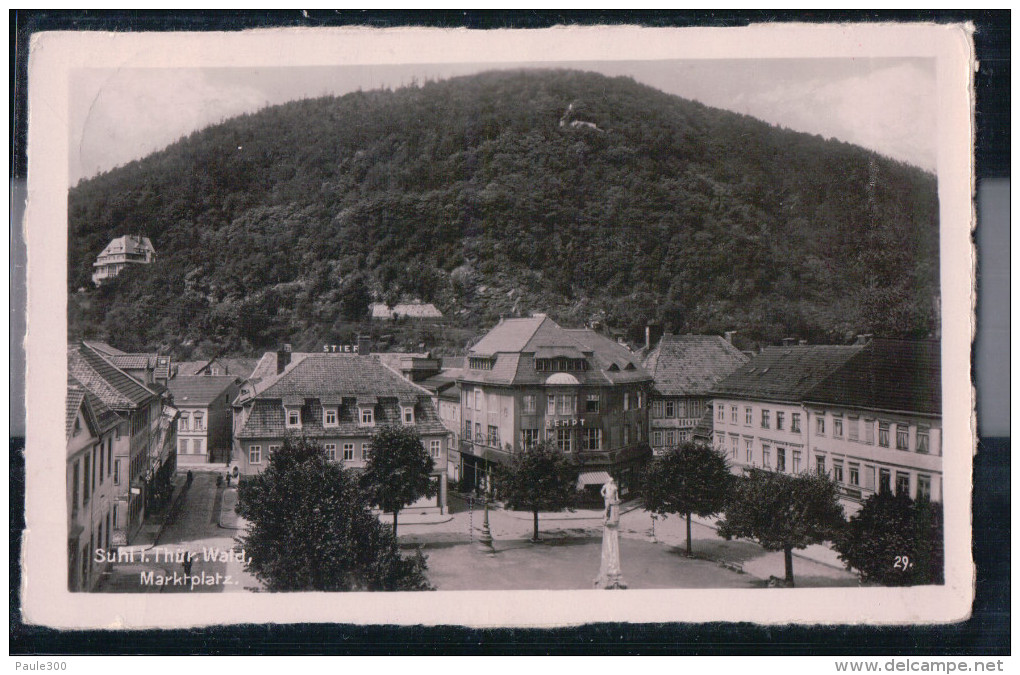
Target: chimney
x,y
653,332
364,345
729,335
789,341
282,359
863,339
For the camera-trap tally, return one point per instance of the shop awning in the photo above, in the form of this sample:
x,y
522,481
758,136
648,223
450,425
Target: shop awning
x,y
592,478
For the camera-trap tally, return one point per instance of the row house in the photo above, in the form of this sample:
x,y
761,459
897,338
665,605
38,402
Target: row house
x,y
446,396
130,249
205,425
91,430
867,415
530,380
144,447
684,369
338,400
876,422
151,369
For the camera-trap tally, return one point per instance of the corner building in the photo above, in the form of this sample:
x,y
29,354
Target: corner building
x,y
529,380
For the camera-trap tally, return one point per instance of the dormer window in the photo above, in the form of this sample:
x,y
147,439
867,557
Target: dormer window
x,y
367,416
293,417
329,417
407,414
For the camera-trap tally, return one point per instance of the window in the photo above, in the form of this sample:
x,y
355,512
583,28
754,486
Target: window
x,y
591,439
272,449
478,433
330,449
565,403
852,432
884,480
184,422
883,434
478,399
837,472
923,487
795,422
550,408
837,427
820,425
626,401
669,408
255,454
592,403
922,441
671,439
348,452
869,431
796,461
564,439
116,520
734,441
721,415
329,418
198,446
820,465
733,414
407,414
902,437
109,456
529,404
493,436
366,451
199,422
467,430
529,438
657,439
184,446
74,487
626,434
293,418
435,448
748,451
658,408
748,416
869,477
855,473
766,456
780,419
367,417
765,424
88,483
694,408
902,484
116,472
720,441
780,459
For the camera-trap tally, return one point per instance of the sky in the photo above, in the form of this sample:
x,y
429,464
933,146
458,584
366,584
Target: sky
x,y
887,105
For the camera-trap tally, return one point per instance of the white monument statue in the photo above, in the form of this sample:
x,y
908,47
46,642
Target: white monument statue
x,y
610,575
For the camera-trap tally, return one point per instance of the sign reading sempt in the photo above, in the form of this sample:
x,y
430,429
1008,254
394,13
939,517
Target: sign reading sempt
x,y
560,423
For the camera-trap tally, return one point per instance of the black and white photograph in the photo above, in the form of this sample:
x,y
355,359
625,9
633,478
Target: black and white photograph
x,y
475,328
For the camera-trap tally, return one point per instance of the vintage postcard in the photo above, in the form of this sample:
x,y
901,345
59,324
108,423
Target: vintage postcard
x,y
500,328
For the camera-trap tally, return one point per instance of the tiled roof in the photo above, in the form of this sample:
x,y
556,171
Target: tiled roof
x,y
198,390
690,365
77,394
516,343
340,374
237,367
417,310
132,361
784,373
266,419
265,369
113,386
103,348
892,375
128,244
75,398
703,429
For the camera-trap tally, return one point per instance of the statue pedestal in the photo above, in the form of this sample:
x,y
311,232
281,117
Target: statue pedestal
x,y
610,576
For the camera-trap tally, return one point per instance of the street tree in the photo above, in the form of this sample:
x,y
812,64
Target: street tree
x,y
894,541
691,479
310,529
399,470
354,298
540,478
783,512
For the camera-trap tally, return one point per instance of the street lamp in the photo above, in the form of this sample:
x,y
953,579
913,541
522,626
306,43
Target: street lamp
x,y
485,538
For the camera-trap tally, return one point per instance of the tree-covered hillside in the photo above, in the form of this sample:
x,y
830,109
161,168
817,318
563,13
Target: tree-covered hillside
x,y
503,193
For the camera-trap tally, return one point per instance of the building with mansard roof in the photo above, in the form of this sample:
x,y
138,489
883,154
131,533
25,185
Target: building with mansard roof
x,y
530,380
337,400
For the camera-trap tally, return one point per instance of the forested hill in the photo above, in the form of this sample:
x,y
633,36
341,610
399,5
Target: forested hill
x,y
503,193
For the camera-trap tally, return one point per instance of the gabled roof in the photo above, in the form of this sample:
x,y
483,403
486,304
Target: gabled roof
x,y
784,373
691,365
113,386
236,367
96,412
890,375
199,390
75,400
318,375
132,361
104,348
128,243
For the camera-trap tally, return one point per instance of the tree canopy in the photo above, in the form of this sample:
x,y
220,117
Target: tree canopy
x,y
310,528
783,512
691,479
471,194
540,478
399,470
894,541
